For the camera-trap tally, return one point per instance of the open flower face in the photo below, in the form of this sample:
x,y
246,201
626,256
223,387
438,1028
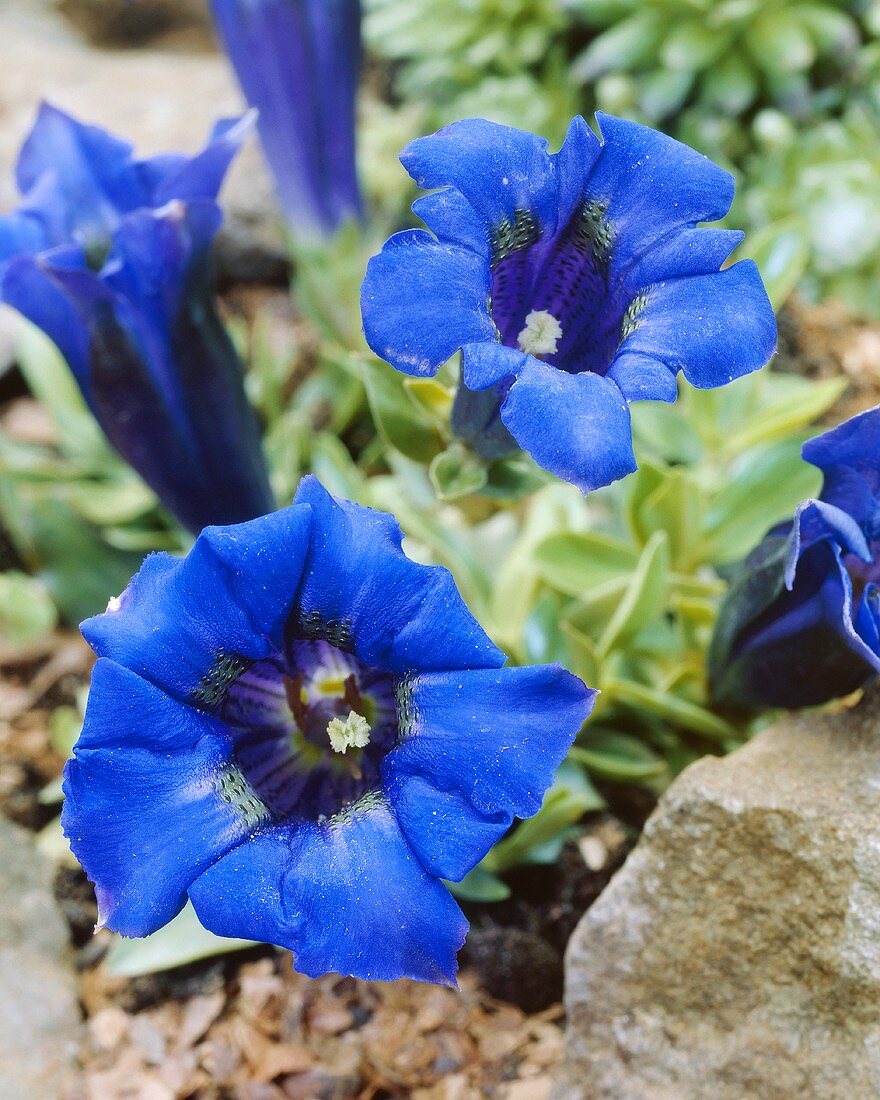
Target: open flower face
x,y
573,283
801,624
304,732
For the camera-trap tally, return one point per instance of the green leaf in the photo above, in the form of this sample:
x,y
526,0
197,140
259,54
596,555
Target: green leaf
x,y
624,46
584,660
429,395
65,726
644,596
403,425
457,472
183,940
574,562
779,43
52,383
672,708
618,757
26,609
763,489
109,503
782,252
480,885
673,506
787,404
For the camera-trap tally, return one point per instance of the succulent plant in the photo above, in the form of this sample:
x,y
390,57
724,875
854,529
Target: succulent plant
x,y
726,56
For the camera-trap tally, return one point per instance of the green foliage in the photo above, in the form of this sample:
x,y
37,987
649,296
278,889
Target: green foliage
x,y
817,192
719,57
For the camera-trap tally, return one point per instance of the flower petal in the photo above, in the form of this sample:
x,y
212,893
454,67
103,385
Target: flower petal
x,y
392,613
577,426
652,185
714,328
499,170
143,807
855,443
347,896
191,626
450,217
478,748
93,170
421,300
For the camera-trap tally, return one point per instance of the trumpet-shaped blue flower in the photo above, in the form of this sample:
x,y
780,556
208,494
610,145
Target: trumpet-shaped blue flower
x,y
573,283
298,62
801,623
124,288
304,732
78,183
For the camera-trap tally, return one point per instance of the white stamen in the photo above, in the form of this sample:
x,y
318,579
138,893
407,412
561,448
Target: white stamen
x,y
114,603
352,732
541,335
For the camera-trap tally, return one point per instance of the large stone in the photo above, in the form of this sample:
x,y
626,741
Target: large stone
x,y
159,100
736,955
39,1014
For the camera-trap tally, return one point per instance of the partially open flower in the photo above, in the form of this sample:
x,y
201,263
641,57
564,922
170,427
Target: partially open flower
x,y
112,258
801,623
573,283
304,731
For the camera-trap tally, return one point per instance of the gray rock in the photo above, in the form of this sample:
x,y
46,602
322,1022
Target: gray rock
x,y
39,1014
159,100
736,955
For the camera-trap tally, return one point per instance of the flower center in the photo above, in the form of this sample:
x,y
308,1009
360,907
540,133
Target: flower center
x,y
541,335
555,296
353,733
311,728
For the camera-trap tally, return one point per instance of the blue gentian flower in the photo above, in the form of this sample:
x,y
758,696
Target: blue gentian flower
x,y
124,288
304,732
801,623
298,62
78,182
573,283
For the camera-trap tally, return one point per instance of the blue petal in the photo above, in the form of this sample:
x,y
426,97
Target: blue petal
x,y
93,171
421,300
652,185
160,373
643,378
478,748
714,328
348,896
450,217
37,224
867,618
28,285
573,163
393,613
484,364
298,64
143,810
498,169
577,426
686,252
816,521
184,625
201,176
855,443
